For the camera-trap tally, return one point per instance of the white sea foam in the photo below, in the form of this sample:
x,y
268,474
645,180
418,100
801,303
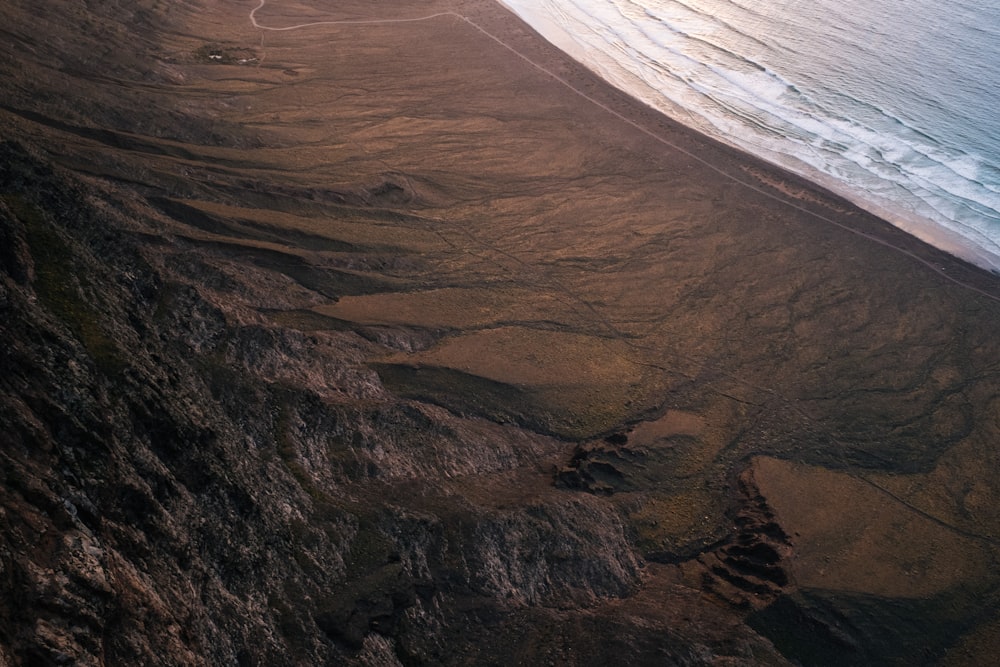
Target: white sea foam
x,y
856,96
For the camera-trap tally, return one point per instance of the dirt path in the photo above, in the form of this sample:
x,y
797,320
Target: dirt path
x,y
933,266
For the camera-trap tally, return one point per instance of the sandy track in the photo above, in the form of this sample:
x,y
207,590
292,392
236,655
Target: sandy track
x,y
933,266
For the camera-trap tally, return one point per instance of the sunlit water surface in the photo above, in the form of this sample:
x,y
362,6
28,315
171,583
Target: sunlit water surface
x,y
892,104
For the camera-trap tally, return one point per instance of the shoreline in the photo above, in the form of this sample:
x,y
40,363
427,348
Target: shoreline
x,y
943,257
919,228
442,363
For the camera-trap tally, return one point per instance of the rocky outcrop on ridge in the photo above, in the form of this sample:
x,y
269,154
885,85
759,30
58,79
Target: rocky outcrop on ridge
x,y
414,343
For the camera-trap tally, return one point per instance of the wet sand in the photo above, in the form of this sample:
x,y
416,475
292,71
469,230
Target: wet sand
x,y
601,267
531,246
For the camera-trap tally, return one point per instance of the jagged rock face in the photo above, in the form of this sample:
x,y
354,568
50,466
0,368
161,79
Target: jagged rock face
x,y
180,487
325,351
749,569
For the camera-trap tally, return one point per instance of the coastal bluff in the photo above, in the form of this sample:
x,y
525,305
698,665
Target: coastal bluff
x,y
397,337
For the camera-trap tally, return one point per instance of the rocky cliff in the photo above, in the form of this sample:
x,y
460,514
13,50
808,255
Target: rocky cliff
x,y
187,483
318,350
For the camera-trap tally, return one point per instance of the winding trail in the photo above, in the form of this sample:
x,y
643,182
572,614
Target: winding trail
x,y
791,203
933,266
253,20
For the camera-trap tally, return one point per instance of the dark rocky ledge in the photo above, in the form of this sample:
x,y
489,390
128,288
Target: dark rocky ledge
x,y
418,357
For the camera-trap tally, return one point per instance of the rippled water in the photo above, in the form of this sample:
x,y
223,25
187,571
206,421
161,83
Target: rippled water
x,y
895,105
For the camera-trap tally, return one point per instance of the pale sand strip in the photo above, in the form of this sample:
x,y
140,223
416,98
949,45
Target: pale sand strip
x,y
790,202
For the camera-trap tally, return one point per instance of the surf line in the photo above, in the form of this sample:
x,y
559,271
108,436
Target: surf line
x,y
933,266
725,174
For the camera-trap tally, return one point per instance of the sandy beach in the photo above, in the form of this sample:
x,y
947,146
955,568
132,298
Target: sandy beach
x,y
613,313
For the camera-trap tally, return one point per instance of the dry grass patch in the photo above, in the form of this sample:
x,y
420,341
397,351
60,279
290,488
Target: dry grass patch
x,y
570,384
452,308
852,537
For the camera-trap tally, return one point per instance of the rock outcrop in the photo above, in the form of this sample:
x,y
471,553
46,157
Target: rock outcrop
x,y
317,348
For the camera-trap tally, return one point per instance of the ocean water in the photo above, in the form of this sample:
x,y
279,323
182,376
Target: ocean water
x,y
894,105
